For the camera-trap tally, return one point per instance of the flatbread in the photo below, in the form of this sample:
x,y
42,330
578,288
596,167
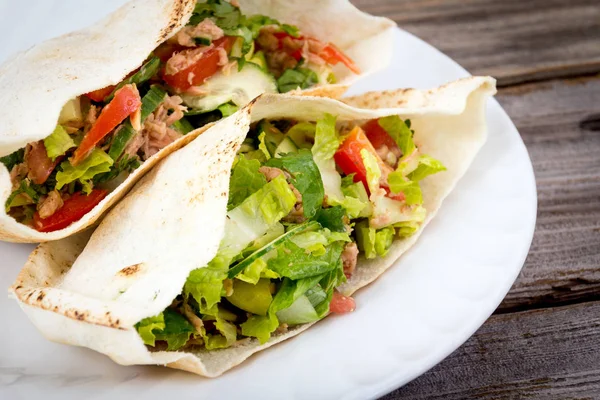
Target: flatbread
x,y
138,259
36,84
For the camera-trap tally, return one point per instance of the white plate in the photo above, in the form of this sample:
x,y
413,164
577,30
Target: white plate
x,y
420,311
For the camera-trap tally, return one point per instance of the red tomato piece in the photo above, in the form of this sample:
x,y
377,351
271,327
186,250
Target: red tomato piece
x,y
73,209
100,94
348,158
379,137
202,69
126,102
39,164
332,55
341,304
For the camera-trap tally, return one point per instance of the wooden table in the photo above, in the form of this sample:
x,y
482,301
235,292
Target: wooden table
x,y
544,340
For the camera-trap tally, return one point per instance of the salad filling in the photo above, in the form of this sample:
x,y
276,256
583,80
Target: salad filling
x,y
306,199
218,62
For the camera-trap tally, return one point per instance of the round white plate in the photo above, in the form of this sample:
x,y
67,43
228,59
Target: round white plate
x,y
417,313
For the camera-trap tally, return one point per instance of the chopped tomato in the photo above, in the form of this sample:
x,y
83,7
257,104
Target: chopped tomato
x,y
126,102
39,164
349,159
341,304
100,94
379,137
73,209
332,55
202,69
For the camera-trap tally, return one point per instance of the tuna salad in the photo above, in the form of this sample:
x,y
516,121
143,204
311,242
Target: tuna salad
x,y
306,200
218,62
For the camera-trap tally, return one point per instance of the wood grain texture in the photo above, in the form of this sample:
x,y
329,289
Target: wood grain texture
x,y
542,354
559,122
513,40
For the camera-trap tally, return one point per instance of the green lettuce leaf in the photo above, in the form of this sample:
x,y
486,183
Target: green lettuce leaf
x,y
332,218
96,163
260,326
245,180
356,201
146,327
373,171
388,212
372,242
305,177
292,261
256,270
206,284
227,331
400,131
256,215
301,78
177,330
262,146
326,139
411,189
13,159
58,143
427,166
326,144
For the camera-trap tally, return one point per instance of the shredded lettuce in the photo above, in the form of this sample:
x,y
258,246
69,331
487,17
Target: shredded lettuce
x,y
262,146
356,200
168,326
256,215
227,332
245,180
97,162
400,131
146,327
332,218
388,212
411,189
13,159
260,326
326,144
292,261
305,177
373,171
326,139
427,166
58,143
206,284
372,242
298,78
255,271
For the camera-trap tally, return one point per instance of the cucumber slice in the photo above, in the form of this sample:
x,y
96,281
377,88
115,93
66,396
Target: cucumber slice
x,y
239,267
287,145
239,87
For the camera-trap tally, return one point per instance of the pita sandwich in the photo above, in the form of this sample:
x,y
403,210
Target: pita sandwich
x,y
264,224
108,102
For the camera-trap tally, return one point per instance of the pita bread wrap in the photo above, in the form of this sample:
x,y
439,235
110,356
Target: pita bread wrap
x,y
77,292
37,83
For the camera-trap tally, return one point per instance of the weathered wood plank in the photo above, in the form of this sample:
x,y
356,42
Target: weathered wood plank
x,y
550,354
560,124
513,40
